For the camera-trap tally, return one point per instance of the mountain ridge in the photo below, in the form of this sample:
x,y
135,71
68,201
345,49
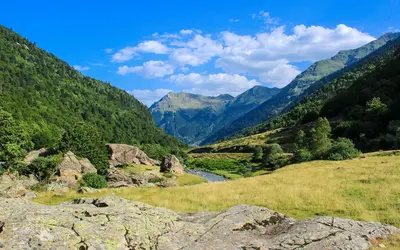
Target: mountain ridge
x,y
299,85
191,117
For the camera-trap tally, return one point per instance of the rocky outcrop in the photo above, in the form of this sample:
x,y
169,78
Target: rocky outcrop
x,y
71,170
116,223
31,156
125,178
171,164
122,154
16,186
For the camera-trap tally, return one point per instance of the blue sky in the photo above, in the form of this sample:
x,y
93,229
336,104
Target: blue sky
x,y
208,47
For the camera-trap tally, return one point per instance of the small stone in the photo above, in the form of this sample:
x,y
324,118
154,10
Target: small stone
x,y
381,245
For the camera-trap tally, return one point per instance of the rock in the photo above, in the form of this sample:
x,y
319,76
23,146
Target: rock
x,y
115,175
121,154
171,164
71,170
116,223
381,246
30,195
167,184
31,156
85,190
57,188
17,190
121,178
149,185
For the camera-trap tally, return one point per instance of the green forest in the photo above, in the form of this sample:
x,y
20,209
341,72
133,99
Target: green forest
x,y
42,97
361,102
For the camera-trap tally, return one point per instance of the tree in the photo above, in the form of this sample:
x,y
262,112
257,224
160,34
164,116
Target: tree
x,y
43,168
376,106
258,154
85,141
272,157
343,149
320,142
13,141
300,140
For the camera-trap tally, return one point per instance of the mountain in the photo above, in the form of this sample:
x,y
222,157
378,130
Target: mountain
x,y
192,117
299,85
46,96
311,106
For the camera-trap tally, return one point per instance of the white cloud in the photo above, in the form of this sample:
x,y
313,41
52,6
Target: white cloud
x,y
108,50
233,20
228,83
128,53
186,32
266,17
81,68
149,97
197,51
150,69
268,55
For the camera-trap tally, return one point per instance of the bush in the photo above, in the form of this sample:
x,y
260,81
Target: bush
x,y
43,168
303,155
343,149
257,154
273,157
156,180
93,180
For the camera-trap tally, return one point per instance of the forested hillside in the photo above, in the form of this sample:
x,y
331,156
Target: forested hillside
x,y
46,96
309,108
310,79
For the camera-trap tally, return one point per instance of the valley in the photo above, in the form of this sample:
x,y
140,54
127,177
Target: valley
x,y
313,164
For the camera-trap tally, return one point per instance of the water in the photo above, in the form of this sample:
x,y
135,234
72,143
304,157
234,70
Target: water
x,y
210,177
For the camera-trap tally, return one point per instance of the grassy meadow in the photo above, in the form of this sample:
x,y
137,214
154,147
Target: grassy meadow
x,y
364,189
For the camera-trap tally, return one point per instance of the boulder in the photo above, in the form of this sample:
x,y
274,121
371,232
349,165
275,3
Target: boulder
x,y
121,154
116,223
171,164
71,170
17,186
120,178
31,156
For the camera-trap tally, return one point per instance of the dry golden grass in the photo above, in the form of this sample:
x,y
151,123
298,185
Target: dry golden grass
x,y
252,140
184,180
363,189
233,156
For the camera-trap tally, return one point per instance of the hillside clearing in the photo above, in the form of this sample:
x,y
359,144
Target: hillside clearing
x,y
364,189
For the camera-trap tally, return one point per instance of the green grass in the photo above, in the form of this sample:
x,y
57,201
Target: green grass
x,y
362,189
233,156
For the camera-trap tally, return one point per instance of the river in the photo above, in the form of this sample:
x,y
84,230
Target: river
x,y
210,177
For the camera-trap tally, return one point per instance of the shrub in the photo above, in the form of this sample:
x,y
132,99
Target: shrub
x,y
94,180
342,149
257,155
43,168
303,155
272,157
156,180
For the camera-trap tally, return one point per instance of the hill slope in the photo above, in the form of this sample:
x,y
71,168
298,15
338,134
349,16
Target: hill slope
x,y
299,85
46,96
193,117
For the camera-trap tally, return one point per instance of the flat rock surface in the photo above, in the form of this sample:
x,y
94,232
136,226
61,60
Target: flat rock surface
x,y
116,223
